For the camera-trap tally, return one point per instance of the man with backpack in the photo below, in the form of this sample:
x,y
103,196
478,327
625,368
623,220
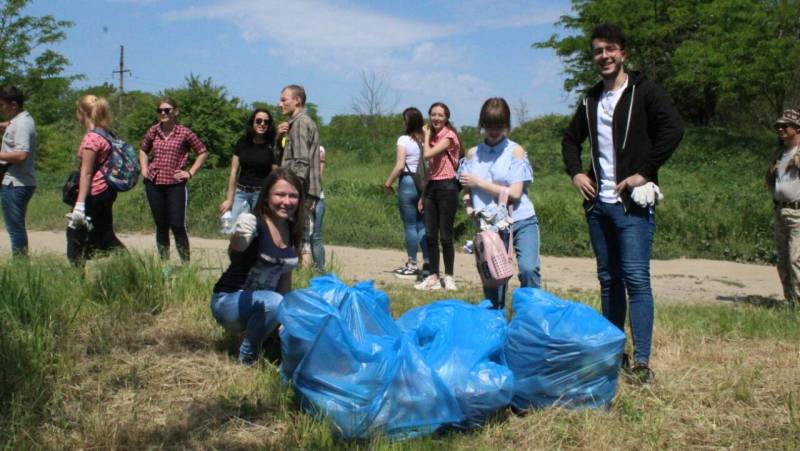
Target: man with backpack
x,y
632,129
17,171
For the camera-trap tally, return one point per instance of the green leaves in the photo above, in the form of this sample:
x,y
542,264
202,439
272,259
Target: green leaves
x,y
731,62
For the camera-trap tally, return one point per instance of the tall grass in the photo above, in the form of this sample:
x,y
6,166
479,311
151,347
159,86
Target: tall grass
x,y
716,203
126,355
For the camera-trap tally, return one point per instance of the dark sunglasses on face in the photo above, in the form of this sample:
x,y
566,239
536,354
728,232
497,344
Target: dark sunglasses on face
x,y
260,121
163,110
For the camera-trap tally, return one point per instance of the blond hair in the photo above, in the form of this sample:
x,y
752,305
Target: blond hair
x,y
96,109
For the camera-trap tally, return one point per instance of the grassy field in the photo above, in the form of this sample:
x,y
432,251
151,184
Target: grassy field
x,y
128,357
716,203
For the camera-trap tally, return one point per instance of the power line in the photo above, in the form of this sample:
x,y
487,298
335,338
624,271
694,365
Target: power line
x,y
121,73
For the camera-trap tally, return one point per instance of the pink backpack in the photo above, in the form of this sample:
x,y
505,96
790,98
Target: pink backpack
x,y
494,259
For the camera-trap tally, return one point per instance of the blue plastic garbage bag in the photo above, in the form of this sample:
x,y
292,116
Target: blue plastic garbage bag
x,y
301,315
561,352
464,344
378,383
363,308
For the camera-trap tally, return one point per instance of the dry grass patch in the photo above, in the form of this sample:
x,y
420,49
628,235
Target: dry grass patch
x,y
170,381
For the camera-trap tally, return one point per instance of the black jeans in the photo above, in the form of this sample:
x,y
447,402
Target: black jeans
x,y
168,205
441,202
83,244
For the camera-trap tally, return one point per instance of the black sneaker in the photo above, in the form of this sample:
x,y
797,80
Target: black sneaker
x,y
409,271
640,373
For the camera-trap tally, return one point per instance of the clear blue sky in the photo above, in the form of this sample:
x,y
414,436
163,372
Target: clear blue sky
x,y
457,51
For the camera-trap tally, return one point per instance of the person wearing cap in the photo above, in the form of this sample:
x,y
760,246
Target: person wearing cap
x,y
632,129
783,180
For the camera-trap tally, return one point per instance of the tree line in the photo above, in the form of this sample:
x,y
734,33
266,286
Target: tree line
x,y
731,63
724,62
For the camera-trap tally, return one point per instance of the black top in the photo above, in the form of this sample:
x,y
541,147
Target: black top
x,y
646,129
259,267
255,162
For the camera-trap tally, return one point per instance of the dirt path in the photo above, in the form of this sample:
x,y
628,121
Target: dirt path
x,y
681,280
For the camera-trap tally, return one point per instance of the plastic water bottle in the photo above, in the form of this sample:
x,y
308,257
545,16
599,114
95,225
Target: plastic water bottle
x,y
226,223
469,247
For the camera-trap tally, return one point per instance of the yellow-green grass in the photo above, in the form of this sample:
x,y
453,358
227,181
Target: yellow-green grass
x,y
141,364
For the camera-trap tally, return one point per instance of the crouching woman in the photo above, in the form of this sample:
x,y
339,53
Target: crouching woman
x,y
263,252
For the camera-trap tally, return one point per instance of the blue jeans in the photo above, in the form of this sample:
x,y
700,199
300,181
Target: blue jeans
x,y
413,222
15,204
622,243
253,312
317,250
243,202
526,248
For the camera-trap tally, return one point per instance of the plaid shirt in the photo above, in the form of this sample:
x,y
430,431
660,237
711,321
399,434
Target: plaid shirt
x,y
170,153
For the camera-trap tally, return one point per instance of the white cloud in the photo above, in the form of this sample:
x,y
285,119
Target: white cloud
x,y
347,39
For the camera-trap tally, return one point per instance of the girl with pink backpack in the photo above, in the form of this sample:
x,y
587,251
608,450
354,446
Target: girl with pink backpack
x,y
496,170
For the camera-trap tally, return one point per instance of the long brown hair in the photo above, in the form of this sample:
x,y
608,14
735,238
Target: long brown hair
x,y
298,222
448,124
414,122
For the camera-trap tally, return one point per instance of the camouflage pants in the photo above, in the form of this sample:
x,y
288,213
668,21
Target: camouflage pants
x,y
787,241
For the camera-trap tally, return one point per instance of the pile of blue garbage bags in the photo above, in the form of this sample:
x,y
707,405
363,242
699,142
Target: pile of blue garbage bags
x,y
447,364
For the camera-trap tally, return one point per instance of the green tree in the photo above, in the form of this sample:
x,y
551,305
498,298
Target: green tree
x,y
725,61
26,60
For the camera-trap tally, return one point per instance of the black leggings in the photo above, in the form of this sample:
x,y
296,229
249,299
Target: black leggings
x,y
441,202
168,205
83,244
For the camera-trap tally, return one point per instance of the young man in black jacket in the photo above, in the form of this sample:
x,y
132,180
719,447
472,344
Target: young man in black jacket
x,y
632,129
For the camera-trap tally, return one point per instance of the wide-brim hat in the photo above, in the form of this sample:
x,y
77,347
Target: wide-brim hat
x,y
791,117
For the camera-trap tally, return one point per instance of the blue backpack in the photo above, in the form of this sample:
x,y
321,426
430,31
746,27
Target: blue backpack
x,y
121,168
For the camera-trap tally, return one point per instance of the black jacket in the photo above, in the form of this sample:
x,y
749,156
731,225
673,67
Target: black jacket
x,y
647,129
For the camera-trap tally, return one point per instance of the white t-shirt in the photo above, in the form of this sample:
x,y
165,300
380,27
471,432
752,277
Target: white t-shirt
x,y
412,151
787,179
605,143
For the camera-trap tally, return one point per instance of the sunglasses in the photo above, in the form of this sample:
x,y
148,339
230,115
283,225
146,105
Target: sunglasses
x,y
163,110
260,121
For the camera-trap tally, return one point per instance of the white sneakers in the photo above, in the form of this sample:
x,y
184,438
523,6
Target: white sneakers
x,y
433,283
449,283
429,283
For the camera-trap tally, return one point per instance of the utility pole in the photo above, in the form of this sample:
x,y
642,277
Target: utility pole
x,y
121,73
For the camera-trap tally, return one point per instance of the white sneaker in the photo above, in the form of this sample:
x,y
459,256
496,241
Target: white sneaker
x,y
429,283
450,283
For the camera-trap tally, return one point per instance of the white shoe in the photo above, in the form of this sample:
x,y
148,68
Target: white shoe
x,y
429,283
450,283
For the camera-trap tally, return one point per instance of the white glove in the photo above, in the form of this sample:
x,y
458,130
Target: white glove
x,y
244,230
647,195
77,217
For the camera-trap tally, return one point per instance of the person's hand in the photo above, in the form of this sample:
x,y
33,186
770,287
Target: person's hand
x,y
420,205
647,195
244,230
630,183
225,206
283,128
182,176
4,125
470,211
77,217
388,190
470,180
145,172
584,186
